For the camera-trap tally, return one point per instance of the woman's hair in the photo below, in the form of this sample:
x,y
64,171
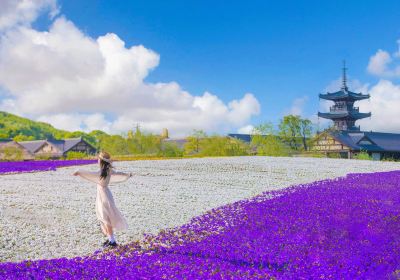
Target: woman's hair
x,y
105,164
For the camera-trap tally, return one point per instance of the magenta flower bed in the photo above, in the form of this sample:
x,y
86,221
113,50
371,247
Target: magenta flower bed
x,y
347,228
39,165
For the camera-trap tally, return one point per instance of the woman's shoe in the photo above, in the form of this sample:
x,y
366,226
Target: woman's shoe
x,y
112,244
105,243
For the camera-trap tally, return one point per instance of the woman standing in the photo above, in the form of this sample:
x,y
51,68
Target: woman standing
x,y
107,213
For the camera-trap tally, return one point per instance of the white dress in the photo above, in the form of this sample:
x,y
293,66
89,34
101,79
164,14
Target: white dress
x,y
106,211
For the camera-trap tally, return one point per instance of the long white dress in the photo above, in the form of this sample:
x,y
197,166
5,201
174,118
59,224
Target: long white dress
x,y
106,211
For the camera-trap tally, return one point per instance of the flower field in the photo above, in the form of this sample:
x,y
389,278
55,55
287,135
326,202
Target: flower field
x,y
39,165
343,228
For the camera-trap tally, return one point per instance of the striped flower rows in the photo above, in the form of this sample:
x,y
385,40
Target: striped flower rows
x,y
346,228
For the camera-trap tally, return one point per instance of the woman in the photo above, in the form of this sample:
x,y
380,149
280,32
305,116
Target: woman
x,y
107,213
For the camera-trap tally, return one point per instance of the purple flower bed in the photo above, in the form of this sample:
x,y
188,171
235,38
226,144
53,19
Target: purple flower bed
x,y
39,165
347,228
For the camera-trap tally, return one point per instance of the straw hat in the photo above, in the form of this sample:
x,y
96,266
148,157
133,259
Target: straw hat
x,y
105,156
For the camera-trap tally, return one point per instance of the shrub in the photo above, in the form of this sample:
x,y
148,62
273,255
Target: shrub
x,y
362,156
171,150
76,155
12,153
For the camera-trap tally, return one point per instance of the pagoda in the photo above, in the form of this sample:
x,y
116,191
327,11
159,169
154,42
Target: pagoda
x,y
343,113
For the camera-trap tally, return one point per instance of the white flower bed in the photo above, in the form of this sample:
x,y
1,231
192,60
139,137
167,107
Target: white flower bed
x,y
52,214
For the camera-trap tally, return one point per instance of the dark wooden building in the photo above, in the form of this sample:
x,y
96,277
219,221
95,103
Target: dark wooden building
x,y
58,148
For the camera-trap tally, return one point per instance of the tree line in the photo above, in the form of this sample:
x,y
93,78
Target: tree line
x,y
291,135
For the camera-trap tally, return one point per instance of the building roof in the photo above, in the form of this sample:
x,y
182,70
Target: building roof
x,y
32,146
344,94
243,137
369,141
344,114
62,145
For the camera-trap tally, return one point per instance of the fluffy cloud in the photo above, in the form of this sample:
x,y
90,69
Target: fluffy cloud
x,y
384,64
248,129
14,13
297,106
384,105
73,81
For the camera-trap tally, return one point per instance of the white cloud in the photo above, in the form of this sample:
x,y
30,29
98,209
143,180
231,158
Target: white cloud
x,y
384,105
384,64
247,129
297,106
24,12
71,80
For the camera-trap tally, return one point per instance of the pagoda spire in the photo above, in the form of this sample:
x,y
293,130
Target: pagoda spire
x,y
344,78
343,113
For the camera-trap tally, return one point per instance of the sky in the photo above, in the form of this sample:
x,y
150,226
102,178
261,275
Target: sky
x,y
219,66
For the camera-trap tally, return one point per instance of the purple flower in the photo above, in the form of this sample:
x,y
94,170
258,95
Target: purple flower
x,y
346,228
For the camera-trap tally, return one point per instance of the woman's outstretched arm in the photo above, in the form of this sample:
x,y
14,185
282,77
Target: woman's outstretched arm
x,y
119,177
90,176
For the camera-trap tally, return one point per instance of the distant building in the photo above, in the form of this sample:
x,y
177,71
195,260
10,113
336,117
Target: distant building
x,y
349,143
343,113
11,150
345,138
164,133
244,137
58,148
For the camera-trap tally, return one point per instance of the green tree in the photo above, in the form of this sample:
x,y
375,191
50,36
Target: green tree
x,y
12,153
143,143
306,130
21,137
295,131
222,146
76,155
266,143
114,144
170,149
194,142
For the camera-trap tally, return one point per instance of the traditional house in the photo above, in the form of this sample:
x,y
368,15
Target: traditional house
x,y
346,139
346,144
11,150
58,148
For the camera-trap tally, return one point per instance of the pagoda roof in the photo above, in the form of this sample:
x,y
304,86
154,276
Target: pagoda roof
x,y
369,141
344,114
344,94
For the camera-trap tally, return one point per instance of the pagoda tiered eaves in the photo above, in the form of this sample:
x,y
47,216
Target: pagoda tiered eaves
x,y
344,95
343,113
340,115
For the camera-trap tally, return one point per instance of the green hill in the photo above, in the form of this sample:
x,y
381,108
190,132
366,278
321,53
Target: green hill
x,y
23,129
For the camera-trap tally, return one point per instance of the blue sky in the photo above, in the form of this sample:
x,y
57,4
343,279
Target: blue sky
x,y
279,51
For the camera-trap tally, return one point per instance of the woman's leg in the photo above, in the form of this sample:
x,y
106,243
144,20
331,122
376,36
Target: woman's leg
x,y
111,236
109,230
103,229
